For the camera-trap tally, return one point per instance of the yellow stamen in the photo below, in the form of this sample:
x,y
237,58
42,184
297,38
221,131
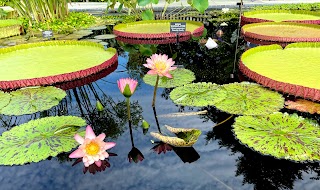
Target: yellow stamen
x,y
160,65
92,148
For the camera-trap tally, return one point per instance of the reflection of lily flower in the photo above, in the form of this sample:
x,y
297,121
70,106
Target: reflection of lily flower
x,y
92,148
93,168
127,86
162,147
160,65
225,10
135,155
211,44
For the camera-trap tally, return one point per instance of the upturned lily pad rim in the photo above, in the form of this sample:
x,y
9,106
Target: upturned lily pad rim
x,y
246,19
49,80
183,35
293,89
262,39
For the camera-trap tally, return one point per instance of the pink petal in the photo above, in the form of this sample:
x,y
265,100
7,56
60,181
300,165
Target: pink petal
x,y
78,138
167,75
77,154
101,137
89,133
106,154
109,145
98,163
172,68
152,72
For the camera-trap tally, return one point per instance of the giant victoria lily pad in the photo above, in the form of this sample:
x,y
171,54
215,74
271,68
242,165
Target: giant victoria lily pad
x,y
38,139
180,77
280,135
31,100
294,70
54,62
197,94
308,17
157,29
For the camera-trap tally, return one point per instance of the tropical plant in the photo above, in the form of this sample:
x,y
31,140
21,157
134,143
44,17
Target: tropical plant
x,y
38,139
39,10
281,135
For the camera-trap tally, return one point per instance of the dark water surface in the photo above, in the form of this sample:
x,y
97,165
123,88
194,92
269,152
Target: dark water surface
x,y
224,163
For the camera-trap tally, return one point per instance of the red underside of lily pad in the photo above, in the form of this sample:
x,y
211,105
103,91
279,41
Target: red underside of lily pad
x,y
297,90
57,79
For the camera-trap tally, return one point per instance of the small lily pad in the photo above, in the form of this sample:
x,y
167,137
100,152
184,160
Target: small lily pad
x,y
198,94
303,106
105,37
280,135
249,99
98,28
185,137
38,139
33,99
180,77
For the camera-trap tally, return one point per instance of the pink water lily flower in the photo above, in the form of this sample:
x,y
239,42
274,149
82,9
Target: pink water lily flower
x,y
127,86
160,65
92,148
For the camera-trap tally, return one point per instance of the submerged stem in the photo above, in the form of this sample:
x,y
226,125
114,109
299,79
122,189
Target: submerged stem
x,y
155,92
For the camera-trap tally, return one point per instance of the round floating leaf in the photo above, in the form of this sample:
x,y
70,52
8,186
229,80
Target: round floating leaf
x,y
198,94
33,99
105,37
280,135
180,77
38,139
185,137
5,99
249,99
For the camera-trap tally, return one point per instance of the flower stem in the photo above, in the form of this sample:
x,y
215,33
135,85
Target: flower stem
x,y
129,119
156,117
155,92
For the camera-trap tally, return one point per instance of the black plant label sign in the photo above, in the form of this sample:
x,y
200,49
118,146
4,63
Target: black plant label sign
x,y
47,33
178,27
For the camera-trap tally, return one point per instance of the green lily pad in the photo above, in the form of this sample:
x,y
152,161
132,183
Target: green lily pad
x,y
249,99
105,37
38,139
33,99
185,137
180,77
5,99
198,94
280,135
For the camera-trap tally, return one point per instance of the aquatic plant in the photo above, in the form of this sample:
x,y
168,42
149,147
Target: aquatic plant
x,y
92,148
160,65
303,106
210,44
10,27
31,100
280,135
185,137
38,139
127,86
283,69
135,155
198,94
249,99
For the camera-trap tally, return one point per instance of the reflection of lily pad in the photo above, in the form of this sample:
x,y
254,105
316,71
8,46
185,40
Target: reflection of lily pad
x,y
280,135
249,99
180,77
185,137
197,94
5,99
38,139
31,100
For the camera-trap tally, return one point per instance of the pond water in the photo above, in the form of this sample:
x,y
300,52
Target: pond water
x,y
217,161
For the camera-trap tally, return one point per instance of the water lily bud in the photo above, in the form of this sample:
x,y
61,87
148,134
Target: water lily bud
x,y
211,44
99,106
